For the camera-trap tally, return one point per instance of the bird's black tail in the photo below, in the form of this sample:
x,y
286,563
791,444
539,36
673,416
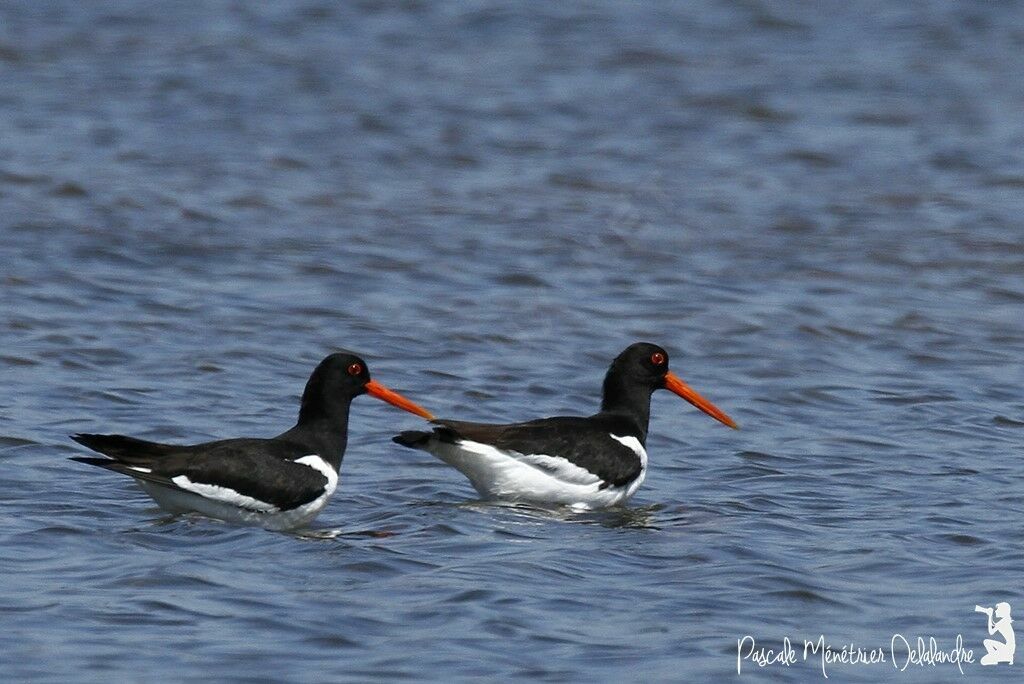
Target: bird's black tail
x,y
101,462
414,439
121,448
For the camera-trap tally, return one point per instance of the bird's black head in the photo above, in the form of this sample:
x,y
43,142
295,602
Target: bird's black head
x,y
340,375
337,380
642,364
641,369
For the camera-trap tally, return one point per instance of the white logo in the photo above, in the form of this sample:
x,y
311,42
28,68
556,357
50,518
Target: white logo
x,y
998,651
902,654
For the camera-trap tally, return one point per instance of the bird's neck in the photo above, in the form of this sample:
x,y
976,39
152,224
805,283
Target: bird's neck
x,y
627,402
323,429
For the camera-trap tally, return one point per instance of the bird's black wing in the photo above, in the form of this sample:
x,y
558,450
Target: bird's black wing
x,y
232,471
584,442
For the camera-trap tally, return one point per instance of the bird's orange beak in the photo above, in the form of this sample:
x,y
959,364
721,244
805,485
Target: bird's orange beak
x,y
677,386
375,389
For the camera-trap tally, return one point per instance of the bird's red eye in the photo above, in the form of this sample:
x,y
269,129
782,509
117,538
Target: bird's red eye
x,y
657,358
355,369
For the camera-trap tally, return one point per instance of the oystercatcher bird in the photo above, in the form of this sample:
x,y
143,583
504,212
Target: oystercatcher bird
x,y
278,483
591,462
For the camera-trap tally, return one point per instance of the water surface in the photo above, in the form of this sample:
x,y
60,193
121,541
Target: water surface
x,y
816,210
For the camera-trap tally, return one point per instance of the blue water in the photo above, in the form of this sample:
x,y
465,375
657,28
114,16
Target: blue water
x,y
816,207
